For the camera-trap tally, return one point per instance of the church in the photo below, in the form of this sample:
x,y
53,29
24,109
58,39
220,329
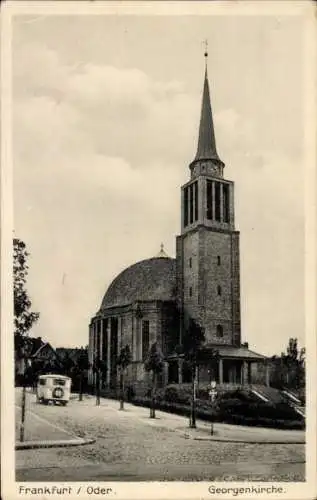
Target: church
x,y
152,300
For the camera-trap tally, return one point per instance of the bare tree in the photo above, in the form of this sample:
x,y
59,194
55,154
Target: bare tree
x,y
154,363
123,361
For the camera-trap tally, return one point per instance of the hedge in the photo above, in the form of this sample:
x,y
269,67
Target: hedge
x,y
204,413
237,407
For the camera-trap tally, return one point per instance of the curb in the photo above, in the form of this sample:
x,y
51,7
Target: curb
x,y
238,440
29,445
224,440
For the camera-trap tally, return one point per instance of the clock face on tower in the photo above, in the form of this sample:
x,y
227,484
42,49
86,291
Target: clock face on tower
x,y
207,168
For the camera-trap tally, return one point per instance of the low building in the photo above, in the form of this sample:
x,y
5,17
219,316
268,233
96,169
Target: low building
x,y
35,354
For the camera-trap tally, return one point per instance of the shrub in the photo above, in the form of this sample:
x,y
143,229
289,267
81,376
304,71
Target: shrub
x,y
257,409
171,394
178,393
204,412
237,407
130,392
238,394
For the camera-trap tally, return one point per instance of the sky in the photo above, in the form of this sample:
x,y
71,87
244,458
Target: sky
x,y
105,123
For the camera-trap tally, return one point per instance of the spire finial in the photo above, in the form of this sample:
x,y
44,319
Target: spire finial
x,y
206,49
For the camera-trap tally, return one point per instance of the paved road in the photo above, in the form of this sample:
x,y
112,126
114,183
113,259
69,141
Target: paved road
x,y
132,447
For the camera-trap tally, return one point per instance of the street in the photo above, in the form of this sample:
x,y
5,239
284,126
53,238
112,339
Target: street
x,y
132,447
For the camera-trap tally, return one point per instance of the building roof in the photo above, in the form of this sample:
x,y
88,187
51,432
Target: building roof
x,y
147,280
29,346
236,352
44,346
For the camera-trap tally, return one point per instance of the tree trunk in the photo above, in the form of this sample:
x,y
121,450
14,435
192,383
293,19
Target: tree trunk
x,y
192,420
152,411
121,390
23,412
81,386
98,387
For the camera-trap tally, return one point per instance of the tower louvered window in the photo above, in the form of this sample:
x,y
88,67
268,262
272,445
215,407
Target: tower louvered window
x,y
209,200
195,192
191,195
225,201
185,207
217,202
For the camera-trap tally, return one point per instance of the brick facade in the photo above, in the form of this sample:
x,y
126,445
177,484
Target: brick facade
x,y
126,324
208,288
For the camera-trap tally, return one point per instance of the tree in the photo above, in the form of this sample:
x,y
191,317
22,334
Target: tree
x,y
193,338
154,363
24,318
288,369
123,361
99,369
210,358
80,367
68,364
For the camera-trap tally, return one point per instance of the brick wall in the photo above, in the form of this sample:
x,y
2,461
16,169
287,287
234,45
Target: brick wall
x,y
163,327
203,275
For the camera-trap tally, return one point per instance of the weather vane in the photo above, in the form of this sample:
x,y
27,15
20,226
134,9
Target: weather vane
x,y
206,48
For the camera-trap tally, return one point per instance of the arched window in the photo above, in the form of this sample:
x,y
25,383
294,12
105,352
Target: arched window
x,y
219,331
218,260
145,338
219,291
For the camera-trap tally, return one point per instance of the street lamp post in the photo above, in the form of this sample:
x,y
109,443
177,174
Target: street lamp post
x,y
212,395
192,420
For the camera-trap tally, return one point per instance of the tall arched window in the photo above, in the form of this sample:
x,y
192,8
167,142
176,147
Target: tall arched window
x,y
145,338
219,331
219,291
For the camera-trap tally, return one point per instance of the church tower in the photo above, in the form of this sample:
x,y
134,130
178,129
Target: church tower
x,y
207,251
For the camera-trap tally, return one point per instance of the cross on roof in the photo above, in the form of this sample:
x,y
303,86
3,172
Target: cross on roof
x,y
162,252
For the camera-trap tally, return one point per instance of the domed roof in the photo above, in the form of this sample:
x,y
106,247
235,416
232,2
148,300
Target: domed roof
x,y
150,279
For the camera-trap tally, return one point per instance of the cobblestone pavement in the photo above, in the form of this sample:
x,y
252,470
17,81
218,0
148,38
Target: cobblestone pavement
x,y
129,448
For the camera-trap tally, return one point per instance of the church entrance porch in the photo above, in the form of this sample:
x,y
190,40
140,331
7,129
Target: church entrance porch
x,y
225,371
231,372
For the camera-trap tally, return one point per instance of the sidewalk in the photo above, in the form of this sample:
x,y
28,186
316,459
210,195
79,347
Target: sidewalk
x,y
38,431
222,432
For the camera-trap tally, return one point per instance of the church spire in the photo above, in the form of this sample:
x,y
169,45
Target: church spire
x,y
206,149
